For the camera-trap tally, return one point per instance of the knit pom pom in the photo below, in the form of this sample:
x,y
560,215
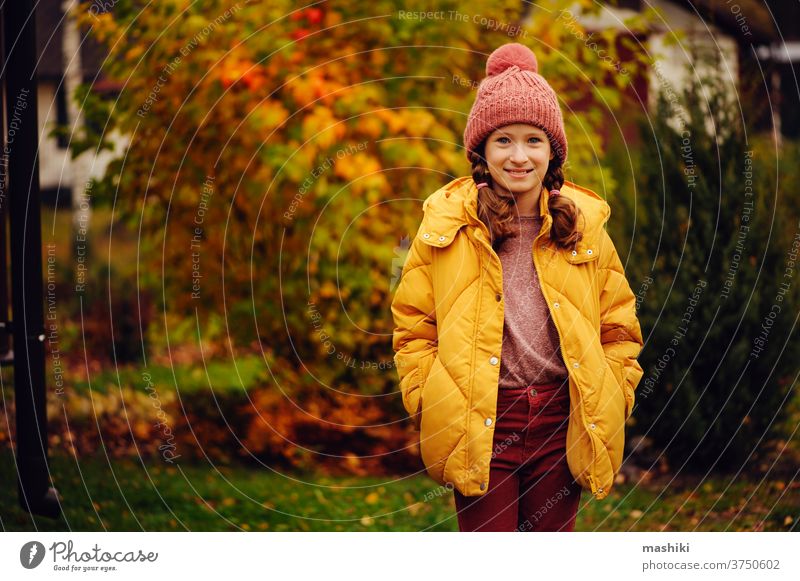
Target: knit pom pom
x,y
511,54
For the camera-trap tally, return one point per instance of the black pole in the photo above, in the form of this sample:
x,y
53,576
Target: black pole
x,y
6,348
35,493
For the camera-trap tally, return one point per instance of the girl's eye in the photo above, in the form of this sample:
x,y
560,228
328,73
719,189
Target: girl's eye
x,y
504,139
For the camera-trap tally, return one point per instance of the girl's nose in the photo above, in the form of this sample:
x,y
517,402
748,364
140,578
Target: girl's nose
x,y
518,155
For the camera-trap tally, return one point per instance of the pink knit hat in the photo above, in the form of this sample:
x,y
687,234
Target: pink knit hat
x,y
514,92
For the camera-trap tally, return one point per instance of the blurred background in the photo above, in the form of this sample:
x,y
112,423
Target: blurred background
x,y
228,194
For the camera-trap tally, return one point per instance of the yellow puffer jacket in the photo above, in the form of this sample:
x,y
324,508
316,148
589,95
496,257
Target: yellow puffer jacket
x,y
448,315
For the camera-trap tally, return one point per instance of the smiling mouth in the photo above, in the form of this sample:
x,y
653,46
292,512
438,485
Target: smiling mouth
x,y
515,172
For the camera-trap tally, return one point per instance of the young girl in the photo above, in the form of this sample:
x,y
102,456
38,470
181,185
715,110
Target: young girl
x,y
516,334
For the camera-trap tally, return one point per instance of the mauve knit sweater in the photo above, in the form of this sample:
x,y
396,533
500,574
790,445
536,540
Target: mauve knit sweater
x,y
531,352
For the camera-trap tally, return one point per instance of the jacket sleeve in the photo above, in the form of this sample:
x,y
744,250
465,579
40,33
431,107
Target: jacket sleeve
x,y
620,333
415,338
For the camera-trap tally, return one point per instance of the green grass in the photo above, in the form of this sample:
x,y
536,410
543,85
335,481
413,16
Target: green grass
x,y
125,495
249,371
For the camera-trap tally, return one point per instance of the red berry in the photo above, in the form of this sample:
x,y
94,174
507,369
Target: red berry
x,y
314,15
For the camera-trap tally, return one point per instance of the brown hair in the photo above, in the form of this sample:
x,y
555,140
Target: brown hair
x,y
496,208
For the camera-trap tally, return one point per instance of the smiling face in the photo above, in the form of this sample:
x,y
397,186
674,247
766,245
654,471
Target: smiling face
x,y
521,147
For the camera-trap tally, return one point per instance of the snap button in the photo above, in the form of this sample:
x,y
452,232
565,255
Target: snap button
x,y
483,486
426,235
498,297
441,238
488,422
599,491
574,253
533,391
576,364
592,426
589,251
493,360
555,305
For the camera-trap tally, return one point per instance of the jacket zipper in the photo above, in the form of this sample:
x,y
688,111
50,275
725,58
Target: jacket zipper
x,y
566,361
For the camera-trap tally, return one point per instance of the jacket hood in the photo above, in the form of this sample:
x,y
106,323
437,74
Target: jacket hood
x,y
456,205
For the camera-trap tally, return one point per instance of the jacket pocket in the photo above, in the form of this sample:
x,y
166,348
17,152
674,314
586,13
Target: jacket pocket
x,y
421,378
618,368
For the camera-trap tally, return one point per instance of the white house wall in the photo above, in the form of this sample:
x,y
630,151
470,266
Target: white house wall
x,y
55,163
670,61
